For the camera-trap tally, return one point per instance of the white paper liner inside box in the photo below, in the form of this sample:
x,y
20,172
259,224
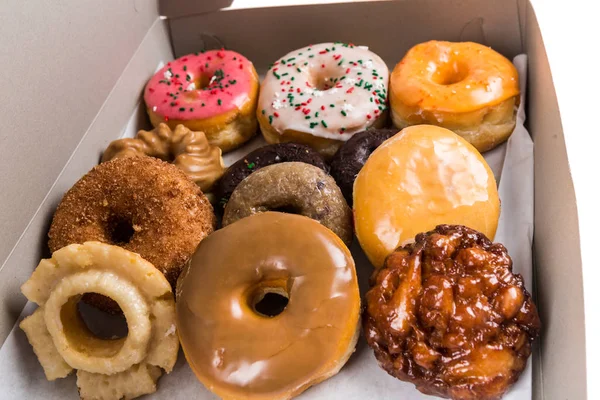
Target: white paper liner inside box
x,y
22,377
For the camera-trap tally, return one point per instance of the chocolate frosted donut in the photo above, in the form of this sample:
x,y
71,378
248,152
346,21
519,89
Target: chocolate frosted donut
x,y
259,158
351,157
296,188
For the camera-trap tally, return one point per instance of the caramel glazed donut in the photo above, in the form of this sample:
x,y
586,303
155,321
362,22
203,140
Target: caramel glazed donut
x,y
465,87
231,278
293,187
322,94
142,204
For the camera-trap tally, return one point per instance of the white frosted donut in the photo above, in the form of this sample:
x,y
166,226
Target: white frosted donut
x,y
322,94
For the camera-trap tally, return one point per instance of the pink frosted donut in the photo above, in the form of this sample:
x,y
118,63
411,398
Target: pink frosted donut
x,y
214,92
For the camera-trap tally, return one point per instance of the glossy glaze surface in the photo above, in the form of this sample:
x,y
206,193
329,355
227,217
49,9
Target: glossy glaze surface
x,y
201,85
239,353
421,177
353,155
452,77
447,314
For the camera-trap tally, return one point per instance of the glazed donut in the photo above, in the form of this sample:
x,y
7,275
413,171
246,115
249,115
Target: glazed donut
x,y
106,368
350,158
323,94
293,187
188,150
145,205
465,87
467,322
234,275
421,177
261,157
214,92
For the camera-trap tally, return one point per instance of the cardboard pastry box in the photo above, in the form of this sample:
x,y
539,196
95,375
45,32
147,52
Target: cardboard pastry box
x,y
74,71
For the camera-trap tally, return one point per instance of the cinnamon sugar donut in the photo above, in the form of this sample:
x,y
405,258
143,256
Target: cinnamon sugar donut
x,y
142,204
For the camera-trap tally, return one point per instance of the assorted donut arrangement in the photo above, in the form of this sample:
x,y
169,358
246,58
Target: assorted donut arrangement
x,y
248,267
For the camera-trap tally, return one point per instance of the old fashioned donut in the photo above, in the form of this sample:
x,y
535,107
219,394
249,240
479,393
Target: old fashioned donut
x,y
188,150
145,205
293,187
106,368
225,292
419,178
350,158
467,321
261,157
465,87
214,92
323,94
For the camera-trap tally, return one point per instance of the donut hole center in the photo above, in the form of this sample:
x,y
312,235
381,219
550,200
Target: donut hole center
x,y
269,301
101,324
206,80
450,73
120,230
91,330
203,81
325,78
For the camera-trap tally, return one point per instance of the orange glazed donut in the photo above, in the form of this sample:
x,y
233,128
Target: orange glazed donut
x,y
240,342
465,87
419,178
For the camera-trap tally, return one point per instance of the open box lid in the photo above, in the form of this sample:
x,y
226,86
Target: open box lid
x,y
62,62
65,61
